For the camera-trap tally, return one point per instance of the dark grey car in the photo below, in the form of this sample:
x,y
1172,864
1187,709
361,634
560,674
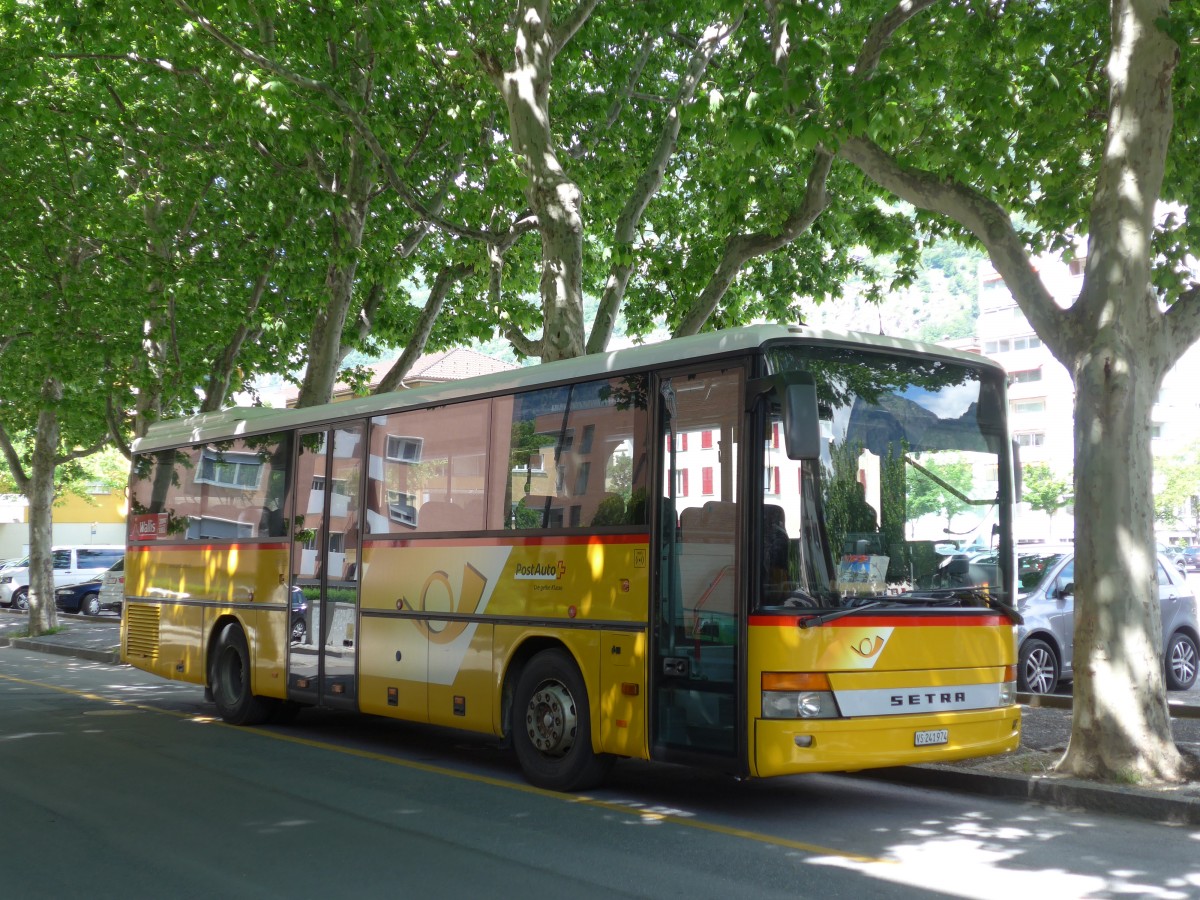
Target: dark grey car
x,y
1047,602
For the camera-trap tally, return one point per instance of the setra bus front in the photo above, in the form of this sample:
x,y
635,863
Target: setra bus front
x,y
881,629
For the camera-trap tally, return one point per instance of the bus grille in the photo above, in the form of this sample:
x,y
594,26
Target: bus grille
x,y
141,631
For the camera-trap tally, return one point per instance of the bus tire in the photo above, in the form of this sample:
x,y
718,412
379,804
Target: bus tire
x,y
229,677
552,732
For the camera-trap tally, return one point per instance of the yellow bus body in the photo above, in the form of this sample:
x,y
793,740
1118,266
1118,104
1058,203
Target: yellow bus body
x,y
589,595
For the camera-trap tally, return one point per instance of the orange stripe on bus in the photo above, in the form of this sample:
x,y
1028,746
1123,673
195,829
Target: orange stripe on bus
x,y
922,621
555,541
191,548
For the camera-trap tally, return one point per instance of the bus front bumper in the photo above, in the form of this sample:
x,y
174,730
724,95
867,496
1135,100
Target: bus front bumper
x,y
792,746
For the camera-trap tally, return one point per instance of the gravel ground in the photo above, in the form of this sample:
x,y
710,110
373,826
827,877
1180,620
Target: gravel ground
x,y
1045,732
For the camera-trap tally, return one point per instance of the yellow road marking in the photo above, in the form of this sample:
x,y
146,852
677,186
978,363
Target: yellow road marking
x,y
608,805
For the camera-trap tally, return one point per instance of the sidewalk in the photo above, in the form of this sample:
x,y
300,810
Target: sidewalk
x,y
93,638
1046,728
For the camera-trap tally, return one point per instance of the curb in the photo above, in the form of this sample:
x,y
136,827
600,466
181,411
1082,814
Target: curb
x,y
1061,792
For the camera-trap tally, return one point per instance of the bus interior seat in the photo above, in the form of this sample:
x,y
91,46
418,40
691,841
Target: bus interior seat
x,y
441,515
690,520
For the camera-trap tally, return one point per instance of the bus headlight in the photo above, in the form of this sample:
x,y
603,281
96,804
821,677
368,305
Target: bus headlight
x,y
1008,687
797,695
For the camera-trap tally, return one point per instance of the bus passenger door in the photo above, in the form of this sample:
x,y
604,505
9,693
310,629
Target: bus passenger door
x,y
325,560
696,616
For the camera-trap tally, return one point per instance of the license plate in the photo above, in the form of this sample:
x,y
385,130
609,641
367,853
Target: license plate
x,y
934,736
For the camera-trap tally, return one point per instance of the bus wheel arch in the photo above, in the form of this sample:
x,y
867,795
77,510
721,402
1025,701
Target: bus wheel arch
x,y
549,720
230,674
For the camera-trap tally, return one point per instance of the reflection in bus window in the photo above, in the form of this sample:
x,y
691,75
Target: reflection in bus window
x,y
573,457
227,490
427,471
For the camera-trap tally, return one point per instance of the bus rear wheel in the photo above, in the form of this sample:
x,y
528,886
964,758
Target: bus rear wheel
x,y
229,677
552,732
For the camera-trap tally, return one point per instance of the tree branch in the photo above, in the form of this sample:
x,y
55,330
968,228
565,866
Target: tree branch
x,y
115,429
648,185
880,35
1181,322
561,35
981,216
741,248
449,275
164,65
20,476
522,344
81,452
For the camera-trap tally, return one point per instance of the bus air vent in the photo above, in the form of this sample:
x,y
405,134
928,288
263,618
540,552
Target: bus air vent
x,y
141,630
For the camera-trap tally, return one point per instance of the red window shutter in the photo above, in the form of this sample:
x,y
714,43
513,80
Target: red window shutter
x,y
685,484
777,479
775,437
683,441
706,479
706,440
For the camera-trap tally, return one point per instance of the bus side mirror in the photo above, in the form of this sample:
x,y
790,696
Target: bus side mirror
x,y
801,425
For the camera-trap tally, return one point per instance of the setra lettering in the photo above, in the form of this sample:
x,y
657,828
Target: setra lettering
x,y
929,699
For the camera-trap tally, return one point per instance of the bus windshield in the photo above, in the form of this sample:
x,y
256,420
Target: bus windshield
x,y
906,499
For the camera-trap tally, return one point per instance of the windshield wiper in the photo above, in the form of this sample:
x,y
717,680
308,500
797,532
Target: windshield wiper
x,y
815,621
970,593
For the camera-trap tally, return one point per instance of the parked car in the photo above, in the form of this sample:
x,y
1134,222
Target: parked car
x,y
79,598
71,566
1191,559
1173,553
300,617
112,587
1046,601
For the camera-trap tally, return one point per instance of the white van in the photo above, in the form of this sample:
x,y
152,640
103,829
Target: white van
x,y
71,566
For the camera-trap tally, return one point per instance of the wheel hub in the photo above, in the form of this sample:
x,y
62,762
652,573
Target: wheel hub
x,y
550,719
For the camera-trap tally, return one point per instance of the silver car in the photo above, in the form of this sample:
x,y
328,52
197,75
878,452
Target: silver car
x,y
1046,600
112,588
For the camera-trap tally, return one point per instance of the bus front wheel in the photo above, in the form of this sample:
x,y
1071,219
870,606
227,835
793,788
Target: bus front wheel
x,y
229,677
552,732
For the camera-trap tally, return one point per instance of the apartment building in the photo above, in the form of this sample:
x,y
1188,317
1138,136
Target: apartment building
x,y
1042,395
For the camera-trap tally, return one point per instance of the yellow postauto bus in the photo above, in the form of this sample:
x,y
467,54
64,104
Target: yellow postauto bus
x,y
728,550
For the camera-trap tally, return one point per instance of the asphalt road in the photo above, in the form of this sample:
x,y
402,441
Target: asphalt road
x,y
115,783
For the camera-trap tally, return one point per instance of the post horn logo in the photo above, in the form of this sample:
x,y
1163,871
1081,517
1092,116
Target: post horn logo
x,y
869,647
438,594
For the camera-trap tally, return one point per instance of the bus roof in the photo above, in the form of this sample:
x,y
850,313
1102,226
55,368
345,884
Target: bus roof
x,y
246,420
